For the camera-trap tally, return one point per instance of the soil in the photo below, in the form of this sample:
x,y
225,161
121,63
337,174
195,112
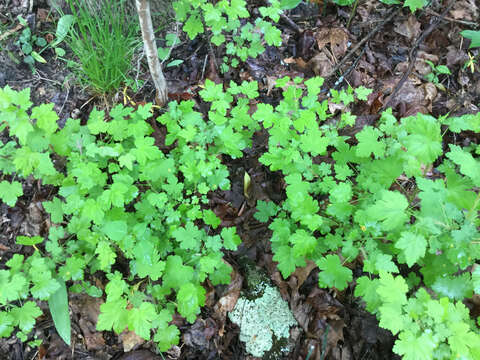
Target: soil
x,y
332,323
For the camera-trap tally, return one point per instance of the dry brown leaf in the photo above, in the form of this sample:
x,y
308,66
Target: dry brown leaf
x,y
431,93
336,37
455,56
130,340
228,301
409,28
302,273
321,65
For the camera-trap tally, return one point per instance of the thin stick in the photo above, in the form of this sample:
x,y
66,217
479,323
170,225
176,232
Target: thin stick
x,y
352,14
290,23
412,55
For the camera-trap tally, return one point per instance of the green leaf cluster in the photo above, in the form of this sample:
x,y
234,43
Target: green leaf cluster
x,y
344,200
122,199
392,197
223,22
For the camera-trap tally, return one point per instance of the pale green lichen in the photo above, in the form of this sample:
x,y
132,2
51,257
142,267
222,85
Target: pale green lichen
x,y
262,318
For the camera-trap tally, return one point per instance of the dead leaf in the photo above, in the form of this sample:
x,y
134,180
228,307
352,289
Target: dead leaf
x,y
228,301
321,65
336,37
130,340
290,60
200,333
409,28
302,273
139,355
430,94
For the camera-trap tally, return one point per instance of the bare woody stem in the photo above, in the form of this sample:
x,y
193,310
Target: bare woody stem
x,y
148,36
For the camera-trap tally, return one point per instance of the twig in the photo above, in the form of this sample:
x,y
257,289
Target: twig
x,y
446,18
349,70
412,55
352,14
290,23
204,66
393,12
10,32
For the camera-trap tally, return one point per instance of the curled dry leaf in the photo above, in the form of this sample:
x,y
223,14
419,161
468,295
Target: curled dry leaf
x,y
88,309
466,10
321,65
409,28
336,37
302,273
228,301
431,93
130,340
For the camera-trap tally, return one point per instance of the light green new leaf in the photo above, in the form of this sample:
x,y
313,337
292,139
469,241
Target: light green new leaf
x,y
454,287
9,192
469,166
332,273
189,300
392,290
414,4
25,316
413,246
472,35
140,319
390,210
115,230
167,337
63,27
6,324
230,238
46,118
368,142
265,210
113,314
29,241
193,26
58,305
287,261
413,347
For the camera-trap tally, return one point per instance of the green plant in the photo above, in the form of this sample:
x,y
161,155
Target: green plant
x,y
171,40
221,21
103,39
436,70
27,41
120,201
354,208
472,35
394,198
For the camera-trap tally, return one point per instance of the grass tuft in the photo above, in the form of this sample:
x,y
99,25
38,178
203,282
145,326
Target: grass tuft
x,y
103,40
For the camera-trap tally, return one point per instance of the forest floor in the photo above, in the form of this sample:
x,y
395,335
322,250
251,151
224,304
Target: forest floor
x,y
375,51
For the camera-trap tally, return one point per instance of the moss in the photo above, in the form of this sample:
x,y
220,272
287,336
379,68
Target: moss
x,y
262,320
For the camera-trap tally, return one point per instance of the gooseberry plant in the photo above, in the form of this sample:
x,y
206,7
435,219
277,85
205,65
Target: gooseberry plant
x,y
417,242
120,203
392,199
225,22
